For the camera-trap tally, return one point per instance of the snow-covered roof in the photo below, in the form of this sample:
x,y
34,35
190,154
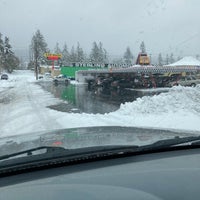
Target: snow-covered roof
x,y
186,61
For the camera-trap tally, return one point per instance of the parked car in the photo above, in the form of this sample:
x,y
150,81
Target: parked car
x,y
40,76
4,77
47,75
185,81
60,79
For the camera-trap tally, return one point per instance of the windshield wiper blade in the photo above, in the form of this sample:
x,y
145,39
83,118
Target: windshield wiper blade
x,y
30,152
95,149
60,154
107,148
167,143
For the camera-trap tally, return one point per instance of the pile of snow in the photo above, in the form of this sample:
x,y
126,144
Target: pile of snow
x,y
177,109
186,61
23,109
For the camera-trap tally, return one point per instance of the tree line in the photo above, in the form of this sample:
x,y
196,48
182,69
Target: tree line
x,y
8,60
39,46
97,56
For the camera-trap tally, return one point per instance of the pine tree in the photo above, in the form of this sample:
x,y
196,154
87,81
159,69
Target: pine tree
x,y
142,47
167,59
80,54
98,54
171,59
101,54
39,47
73,56
105,56
9,60
94,55
128,56
65,55
1,52
160,60
57,49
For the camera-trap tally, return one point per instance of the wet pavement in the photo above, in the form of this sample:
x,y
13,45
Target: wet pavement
x,y
79,99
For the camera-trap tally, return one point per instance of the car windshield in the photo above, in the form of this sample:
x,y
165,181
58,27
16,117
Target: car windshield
x,y
98,72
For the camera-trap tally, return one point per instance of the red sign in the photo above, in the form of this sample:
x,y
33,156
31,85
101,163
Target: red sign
x,y
53,57
50,56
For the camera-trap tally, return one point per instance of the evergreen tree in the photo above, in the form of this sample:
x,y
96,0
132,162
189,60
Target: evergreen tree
x,y
73,56
142,47
105,56
57,49
8,60
80,54
11,62
167,59
98,54
39,47
171,59
128,56
1,52
160,60
65,55
94,55
101,53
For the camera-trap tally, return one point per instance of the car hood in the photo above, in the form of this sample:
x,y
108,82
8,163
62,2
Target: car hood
x,y
87,137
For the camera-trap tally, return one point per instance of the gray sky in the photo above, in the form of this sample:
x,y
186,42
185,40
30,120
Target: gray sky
x,y
164,25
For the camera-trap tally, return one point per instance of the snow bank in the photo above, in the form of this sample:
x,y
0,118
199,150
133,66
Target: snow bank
x,y
186,61
177,109
27,111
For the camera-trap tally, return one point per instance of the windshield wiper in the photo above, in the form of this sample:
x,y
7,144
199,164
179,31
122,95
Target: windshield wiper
x,y
58,151
59,155
30,152
54,156
167,143
51,153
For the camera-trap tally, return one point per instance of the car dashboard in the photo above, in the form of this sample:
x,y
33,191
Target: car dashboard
x,y
162,175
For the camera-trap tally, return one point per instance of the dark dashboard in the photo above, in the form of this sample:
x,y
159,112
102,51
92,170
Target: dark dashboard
x,y
164,175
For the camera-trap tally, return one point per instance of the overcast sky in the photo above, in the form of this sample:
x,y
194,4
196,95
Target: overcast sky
x,y
164,25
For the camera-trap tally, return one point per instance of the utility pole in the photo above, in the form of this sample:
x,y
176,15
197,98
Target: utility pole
x,y
35,49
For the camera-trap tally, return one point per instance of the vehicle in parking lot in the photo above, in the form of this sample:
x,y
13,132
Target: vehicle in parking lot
x,y
61,79
4,77
186,81
47,75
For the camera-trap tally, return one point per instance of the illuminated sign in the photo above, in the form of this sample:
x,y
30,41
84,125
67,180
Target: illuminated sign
x,y
51,56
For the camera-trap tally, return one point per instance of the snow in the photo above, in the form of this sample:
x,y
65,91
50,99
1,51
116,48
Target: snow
x,y
23,108
186,61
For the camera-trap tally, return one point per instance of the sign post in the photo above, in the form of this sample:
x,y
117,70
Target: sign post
x,y
53,57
